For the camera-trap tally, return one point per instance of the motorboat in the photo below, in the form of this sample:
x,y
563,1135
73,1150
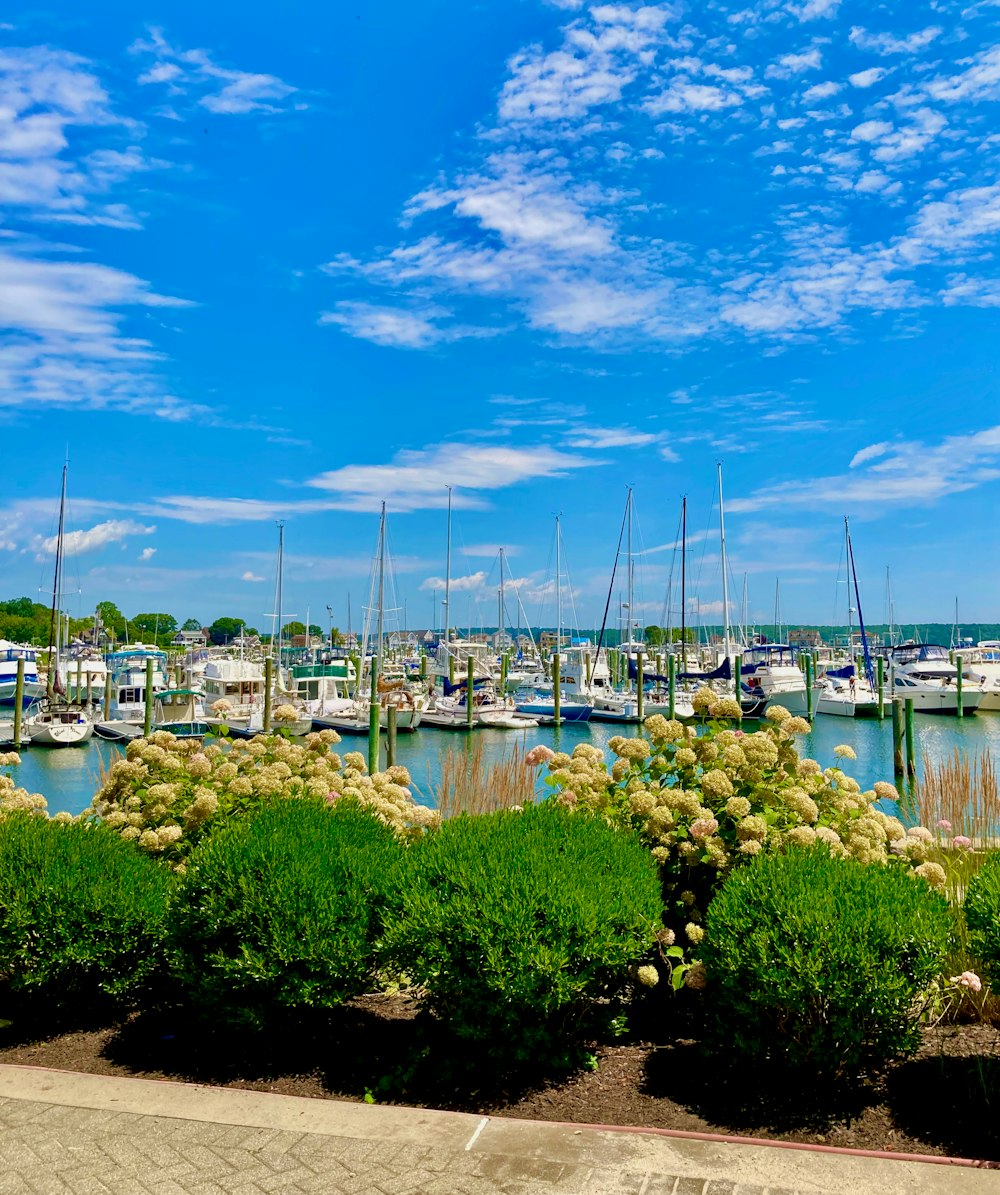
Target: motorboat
x,y
769,674
841,692
981,664
59,727
924,673
176,711
127,671
34,689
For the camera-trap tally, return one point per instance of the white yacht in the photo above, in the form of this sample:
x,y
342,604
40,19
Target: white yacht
x,y
127,677
925,673
981,664
10,653
84,674
238,683
769,672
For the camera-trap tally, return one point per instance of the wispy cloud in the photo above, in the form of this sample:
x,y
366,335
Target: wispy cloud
x,y
416,479
195,75
147,554
909,473
467,584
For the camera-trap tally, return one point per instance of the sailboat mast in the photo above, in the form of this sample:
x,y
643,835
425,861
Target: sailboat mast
x,y
281,563
630,578
847,554
727,647
447,576
558,592
55,623
381,586
500,633
684,544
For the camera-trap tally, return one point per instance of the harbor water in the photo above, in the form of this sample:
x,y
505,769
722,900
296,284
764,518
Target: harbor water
x,y
69,777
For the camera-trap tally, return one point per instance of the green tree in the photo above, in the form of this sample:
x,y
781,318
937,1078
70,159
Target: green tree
x,y
160,625
294,628
192,624
112,619
224,629
654,636
314,629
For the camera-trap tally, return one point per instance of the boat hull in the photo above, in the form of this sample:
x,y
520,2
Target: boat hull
x,y
33,691
60,734
547,709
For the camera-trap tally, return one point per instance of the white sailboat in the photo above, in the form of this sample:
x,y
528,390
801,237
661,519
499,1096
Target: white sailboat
x,y
55,724
840,691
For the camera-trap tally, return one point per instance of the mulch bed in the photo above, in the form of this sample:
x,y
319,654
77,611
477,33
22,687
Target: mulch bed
x,y
945,1100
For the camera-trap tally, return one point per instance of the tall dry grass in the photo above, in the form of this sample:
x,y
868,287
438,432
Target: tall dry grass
x,y
962,792
468,785
958,800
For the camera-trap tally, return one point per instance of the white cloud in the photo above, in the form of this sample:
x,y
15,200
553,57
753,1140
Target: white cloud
x,y
904,474
795,64
811,9
416,479
887,43
390,326
821,91
467,584
599,57
980,80
147,553
610,437
75,543
872,452
868,77
193,73
871,130
684,96
249,575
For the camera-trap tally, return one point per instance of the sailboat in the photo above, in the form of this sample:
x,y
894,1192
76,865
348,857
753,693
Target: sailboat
x,y
841,691
388,693
58,724
580,707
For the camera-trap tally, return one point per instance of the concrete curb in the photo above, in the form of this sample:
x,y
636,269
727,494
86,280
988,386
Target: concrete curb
x,y
519,1142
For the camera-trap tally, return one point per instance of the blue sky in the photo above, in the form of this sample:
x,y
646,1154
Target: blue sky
x,y
256,269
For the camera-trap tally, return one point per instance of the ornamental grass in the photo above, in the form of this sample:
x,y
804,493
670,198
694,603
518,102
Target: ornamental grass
x,y
469,785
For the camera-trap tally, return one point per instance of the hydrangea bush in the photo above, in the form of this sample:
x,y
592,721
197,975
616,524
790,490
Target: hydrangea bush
x,y
168,792
19,800
707,802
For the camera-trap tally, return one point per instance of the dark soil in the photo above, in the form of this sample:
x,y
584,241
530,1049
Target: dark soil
x,y
945,1100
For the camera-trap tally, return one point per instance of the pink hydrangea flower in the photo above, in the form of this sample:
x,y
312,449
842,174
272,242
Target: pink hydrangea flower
x,y
945,825
961,842
704,827
538,755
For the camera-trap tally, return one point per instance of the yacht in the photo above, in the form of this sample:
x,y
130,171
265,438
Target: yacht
x,y
924,672
84,674
62,727
10,653
127,677
769,674
239,683
981,664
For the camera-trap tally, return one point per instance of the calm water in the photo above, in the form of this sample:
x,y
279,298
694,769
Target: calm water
x,y
68,778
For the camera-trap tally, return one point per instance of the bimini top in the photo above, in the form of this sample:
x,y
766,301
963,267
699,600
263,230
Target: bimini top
x,y
913,653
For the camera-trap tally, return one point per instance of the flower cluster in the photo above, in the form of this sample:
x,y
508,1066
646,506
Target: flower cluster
x,y
707,802
167,792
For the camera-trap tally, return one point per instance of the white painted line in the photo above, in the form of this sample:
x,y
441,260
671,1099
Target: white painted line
x,y
475,1136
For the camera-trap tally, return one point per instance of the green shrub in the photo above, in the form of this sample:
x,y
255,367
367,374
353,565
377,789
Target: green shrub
x,y
82,918
279,911
982,914
517,922
815,963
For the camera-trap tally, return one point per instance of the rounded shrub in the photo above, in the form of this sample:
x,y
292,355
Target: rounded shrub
x,y
82,919
517,922
280,911
982,914
815,963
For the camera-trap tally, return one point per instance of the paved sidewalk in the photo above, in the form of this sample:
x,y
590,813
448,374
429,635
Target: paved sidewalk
x,y
71,1134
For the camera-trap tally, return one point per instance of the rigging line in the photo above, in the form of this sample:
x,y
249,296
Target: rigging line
x,y
667,613
611,586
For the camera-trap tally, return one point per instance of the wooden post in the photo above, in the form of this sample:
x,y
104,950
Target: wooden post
x,y
89,688
147,721
107,695
268,695
423,664
504,667
810,678
556,695
880,681
958,685
18,701
451,669
586,667
373,723
898,766
640,696
391,714
911,757
738,678
470,689
79,682
671,684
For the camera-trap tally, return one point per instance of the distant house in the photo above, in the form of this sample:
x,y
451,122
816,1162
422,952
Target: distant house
x,y
803,638
189,639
